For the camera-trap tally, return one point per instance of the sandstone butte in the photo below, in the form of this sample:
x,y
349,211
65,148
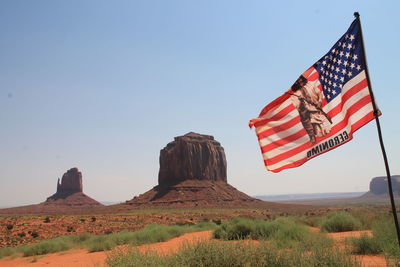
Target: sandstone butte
x,y
378,187
193,173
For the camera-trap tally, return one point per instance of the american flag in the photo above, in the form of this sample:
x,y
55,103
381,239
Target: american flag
x,y
287,130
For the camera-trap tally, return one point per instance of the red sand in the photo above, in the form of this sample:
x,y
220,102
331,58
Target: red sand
x,y
341,236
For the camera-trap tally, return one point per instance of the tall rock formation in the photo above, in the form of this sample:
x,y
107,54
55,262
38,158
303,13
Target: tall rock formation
x,y
70,191
193,173
71,182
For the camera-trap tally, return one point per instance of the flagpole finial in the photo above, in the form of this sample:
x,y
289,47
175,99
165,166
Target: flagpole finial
x,y
356,14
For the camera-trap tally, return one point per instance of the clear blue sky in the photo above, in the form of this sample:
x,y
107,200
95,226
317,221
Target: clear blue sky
x,y
104,85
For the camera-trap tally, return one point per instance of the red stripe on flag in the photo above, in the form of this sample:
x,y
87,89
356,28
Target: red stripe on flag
x,y
274,104
280,128
346,96
280,115
284,141
313,76
367,118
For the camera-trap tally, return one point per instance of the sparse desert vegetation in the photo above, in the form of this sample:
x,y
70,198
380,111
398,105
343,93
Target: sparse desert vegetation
x,y
259,237
221,254
150,234
282,233
100,224
384,239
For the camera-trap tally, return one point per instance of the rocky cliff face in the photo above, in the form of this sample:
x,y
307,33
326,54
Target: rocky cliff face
x,y
379,185
192,157
193,173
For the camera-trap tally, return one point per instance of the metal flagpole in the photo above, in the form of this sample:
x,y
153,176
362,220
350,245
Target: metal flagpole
x,y
378,125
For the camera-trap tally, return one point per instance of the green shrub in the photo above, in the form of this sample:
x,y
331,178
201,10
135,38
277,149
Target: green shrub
x,y
100,243
202,226
340,221
217,221
4,252
150,234
79,239
368,216
157,233
265,230
365,245
34,234
301,220
283,233
239,228
22,234
48,246
291,235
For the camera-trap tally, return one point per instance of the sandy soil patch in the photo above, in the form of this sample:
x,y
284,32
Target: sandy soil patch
x,y
341,236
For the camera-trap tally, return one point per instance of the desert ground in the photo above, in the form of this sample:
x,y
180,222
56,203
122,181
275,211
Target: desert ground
x,y
81,257
32,229
54,225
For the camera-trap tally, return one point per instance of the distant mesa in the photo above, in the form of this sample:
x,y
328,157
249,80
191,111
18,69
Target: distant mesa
x,y
70,191
379,190
379,186
193,173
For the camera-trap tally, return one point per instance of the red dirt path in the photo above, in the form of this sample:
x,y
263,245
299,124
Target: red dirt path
x,y
80,257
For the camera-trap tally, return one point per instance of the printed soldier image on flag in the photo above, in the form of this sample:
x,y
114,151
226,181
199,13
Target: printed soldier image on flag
x,y
307,98
322,109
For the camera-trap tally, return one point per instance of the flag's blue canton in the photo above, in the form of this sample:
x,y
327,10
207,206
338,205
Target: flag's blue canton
x,y
343,62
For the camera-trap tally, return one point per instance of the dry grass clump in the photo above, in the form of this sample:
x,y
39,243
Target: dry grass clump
x,y
284,232
340,221
365,245
221,254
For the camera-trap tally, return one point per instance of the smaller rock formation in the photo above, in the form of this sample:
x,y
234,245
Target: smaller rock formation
x,y
71,182
70,191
